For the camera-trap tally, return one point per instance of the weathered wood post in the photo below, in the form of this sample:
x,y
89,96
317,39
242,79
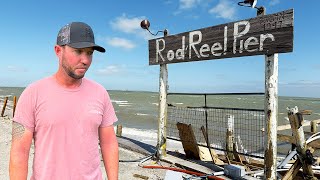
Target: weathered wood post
x,y
4,106
296,119
14,105
270,110
162,127
230,135
119,130
313,125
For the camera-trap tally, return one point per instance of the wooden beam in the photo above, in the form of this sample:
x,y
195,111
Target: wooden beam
x,y
296,119
188,140
290,139
214,155
292,172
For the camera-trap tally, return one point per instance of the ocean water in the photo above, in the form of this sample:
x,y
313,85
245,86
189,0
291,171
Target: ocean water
x,y
139,109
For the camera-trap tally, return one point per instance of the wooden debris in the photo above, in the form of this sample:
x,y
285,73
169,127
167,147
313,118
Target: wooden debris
x,y
214,155
4,106
140,176
296,119
188,140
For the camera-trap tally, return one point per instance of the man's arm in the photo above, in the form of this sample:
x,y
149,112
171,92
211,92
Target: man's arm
x,y
19,154
110,151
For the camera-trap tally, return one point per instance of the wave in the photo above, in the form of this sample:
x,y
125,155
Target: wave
x,y
141,114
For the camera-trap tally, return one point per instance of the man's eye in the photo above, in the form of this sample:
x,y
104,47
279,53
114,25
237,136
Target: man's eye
x,y
90,53
77,51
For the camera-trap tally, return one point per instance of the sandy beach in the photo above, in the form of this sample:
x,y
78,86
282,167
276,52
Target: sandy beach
x,y
127,170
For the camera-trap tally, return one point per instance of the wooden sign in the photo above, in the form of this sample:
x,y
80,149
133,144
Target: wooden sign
x,y
267,34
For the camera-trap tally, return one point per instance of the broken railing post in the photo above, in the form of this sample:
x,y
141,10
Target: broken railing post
x,y
4,106
230,136
119,130
313,125
296,119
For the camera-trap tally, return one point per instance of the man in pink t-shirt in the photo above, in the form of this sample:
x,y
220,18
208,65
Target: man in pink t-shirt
x,y
67,116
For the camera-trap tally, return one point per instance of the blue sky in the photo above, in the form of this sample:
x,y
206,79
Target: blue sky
x,y
29,29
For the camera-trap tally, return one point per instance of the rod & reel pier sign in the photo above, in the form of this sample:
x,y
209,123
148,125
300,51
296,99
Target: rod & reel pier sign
x,y
261,35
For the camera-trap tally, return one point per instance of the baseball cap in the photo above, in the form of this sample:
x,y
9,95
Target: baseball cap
x,y
77,35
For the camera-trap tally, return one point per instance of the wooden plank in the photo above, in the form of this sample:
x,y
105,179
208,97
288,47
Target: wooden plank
x,y
188,140
214,155
290,139
190,165
292,172
238,157
266,34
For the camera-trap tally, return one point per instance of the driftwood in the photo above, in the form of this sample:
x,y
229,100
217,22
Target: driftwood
x,y
296,120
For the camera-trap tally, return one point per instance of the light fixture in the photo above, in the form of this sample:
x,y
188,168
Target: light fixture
x,y
145,24
252,4
248,3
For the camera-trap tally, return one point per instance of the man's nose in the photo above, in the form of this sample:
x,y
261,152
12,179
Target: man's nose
x,y
86,59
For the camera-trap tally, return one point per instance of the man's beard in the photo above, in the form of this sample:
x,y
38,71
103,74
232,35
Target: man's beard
x,y
70,72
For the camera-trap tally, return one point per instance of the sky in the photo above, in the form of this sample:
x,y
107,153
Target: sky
x,y
29,29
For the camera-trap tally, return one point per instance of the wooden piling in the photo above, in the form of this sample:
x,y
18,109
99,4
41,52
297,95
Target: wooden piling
x,y
296,120
162,127
119,130
14,105
313,125
230,136
4,106
271,115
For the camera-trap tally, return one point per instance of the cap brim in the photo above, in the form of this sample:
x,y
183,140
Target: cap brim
x,y
87,44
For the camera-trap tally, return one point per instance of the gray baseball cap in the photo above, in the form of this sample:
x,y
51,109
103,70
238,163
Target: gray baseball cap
x,y
77,35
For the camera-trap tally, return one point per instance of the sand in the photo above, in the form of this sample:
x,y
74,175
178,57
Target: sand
x,y
127,170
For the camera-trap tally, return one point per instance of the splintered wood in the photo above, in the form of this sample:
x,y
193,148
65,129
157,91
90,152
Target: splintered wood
x,y
188,140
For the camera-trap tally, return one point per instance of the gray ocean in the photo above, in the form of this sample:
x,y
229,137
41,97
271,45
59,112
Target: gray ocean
x,y
139,109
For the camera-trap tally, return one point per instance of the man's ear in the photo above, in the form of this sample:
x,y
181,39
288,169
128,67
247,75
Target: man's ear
x,y
58,50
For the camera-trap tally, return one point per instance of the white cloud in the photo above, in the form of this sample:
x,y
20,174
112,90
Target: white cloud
x,y
121,42
224,9
16,68
113,69
188,4
274,2
126,24
131,26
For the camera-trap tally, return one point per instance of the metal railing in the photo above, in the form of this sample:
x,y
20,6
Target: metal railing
x,y
246,124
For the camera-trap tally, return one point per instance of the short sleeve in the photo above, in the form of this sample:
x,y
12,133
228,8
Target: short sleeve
x,y
109,115
24,113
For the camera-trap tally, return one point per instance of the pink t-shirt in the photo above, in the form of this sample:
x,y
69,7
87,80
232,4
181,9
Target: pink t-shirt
x,y
65,125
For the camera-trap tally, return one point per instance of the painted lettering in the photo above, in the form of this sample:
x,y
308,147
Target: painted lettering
x,y
251,41
263,37
237,34
158,50
192,43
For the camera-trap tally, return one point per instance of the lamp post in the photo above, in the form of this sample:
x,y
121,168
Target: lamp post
x,y
271,104
163,89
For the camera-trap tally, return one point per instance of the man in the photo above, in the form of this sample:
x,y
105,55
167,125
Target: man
x,y
67,116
